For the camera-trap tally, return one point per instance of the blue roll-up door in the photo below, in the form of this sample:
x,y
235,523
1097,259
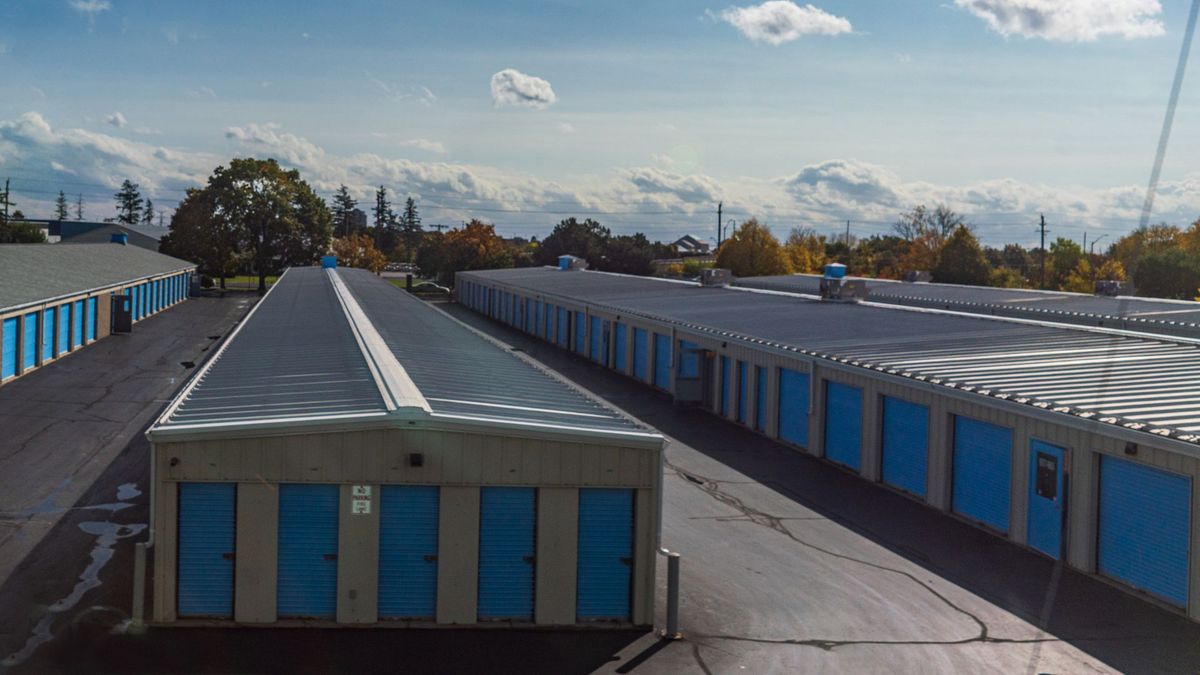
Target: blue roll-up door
x,y
48,334
563,333
207,539
506,553
135,292
1047,501
605,555
596,340
793,407
77,323
537,318
408,549
1145,520
743,400
8,350
662,361
308,546
29,341
64,328
519,313
843,424
982,471
760,404
621,349
905,445
91,322
689,360
548,323
641,354
725,385
580,334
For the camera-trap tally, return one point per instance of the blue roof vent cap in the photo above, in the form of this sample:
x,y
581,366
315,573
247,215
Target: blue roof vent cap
x,y
328,262
835,271
120,238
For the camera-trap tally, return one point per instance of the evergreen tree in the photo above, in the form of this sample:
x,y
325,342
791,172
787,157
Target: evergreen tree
x,y
385,219
410,227
148,214
60,206
79,207
129,203
961,260
343,206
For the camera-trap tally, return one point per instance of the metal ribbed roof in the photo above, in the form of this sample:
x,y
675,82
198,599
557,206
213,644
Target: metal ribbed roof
x,y
1142,383
462,374
339,345
31,273
1164,317
294,357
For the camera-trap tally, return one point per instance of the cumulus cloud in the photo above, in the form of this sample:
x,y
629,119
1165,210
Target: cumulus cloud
x,y
436,147
686,188
1069,20
201,92
116,120
512,87
778,21
90,7
565,127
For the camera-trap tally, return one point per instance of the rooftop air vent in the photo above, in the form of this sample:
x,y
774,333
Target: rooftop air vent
x,y
715,276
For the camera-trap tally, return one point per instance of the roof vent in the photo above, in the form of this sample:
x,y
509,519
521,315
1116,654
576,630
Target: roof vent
x,y
1109,287
918,276
570,262
715,276
328,262
120,238
837,288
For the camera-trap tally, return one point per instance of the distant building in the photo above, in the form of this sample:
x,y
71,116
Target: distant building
x,y
689,245
94,232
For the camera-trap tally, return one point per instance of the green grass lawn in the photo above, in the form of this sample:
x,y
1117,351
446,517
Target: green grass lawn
x,y
243,283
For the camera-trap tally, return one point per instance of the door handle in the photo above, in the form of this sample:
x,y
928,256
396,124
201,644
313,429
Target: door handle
x,y
431,558
330,556
529,559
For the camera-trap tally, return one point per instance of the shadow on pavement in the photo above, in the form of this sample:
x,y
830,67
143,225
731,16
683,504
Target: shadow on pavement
x,y
1127,633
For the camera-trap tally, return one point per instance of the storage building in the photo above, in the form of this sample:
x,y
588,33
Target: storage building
x,y
1080,443
57,298
1149,315
352,455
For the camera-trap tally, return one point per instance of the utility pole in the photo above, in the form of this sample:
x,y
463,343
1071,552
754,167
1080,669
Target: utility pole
x,y
1085,240
847,235
719,206
1042,281
5,201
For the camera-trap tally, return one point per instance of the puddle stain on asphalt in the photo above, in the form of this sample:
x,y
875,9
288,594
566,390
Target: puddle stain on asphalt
x,y
107,535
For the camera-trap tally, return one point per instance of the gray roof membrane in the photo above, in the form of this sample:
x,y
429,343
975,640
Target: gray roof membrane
x,y
1143,383
31,273
297,357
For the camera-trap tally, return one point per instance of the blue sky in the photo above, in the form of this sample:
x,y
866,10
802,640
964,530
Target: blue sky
x,y
798,114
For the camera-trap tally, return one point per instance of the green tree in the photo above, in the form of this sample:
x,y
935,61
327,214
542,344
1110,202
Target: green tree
x,y
79,207
753,251
1170,273
148,212
920,221
129,203
343,207
628,254
60,206
197,234
1007,277
805,249
587,240
385,221
1064,258
961,260
411,232
474,246
358,250
1128,250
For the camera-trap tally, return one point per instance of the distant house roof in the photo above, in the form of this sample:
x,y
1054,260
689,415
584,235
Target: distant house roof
x,y
32,273
690,243
70,229
103,235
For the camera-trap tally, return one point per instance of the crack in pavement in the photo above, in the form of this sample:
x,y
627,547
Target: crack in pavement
x,y
712,488
700,659
830,645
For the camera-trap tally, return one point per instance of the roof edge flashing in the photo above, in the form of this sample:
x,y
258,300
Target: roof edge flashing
x,y
400,393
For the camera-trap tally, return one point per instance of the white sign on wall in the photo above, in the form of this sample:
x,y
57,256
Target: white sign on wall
x,y
361,503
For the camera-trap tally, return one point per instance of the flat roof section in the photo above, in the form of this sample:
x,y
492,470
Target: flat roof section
x,y
1141,383
295,357
32,273
346,346
462,374
1166,317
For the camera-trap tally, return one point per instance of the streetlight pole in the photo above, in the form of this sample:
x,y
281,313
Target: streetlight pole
x,y
1094,242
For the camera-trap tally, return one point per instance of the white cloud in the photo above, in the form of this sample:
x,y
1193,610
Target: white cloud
x,y
305,36
201,92
419,93
693,188
90,7
116,119
3,49
512,87
436,147
172,36
904,57
778,21
565,127
1069,20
